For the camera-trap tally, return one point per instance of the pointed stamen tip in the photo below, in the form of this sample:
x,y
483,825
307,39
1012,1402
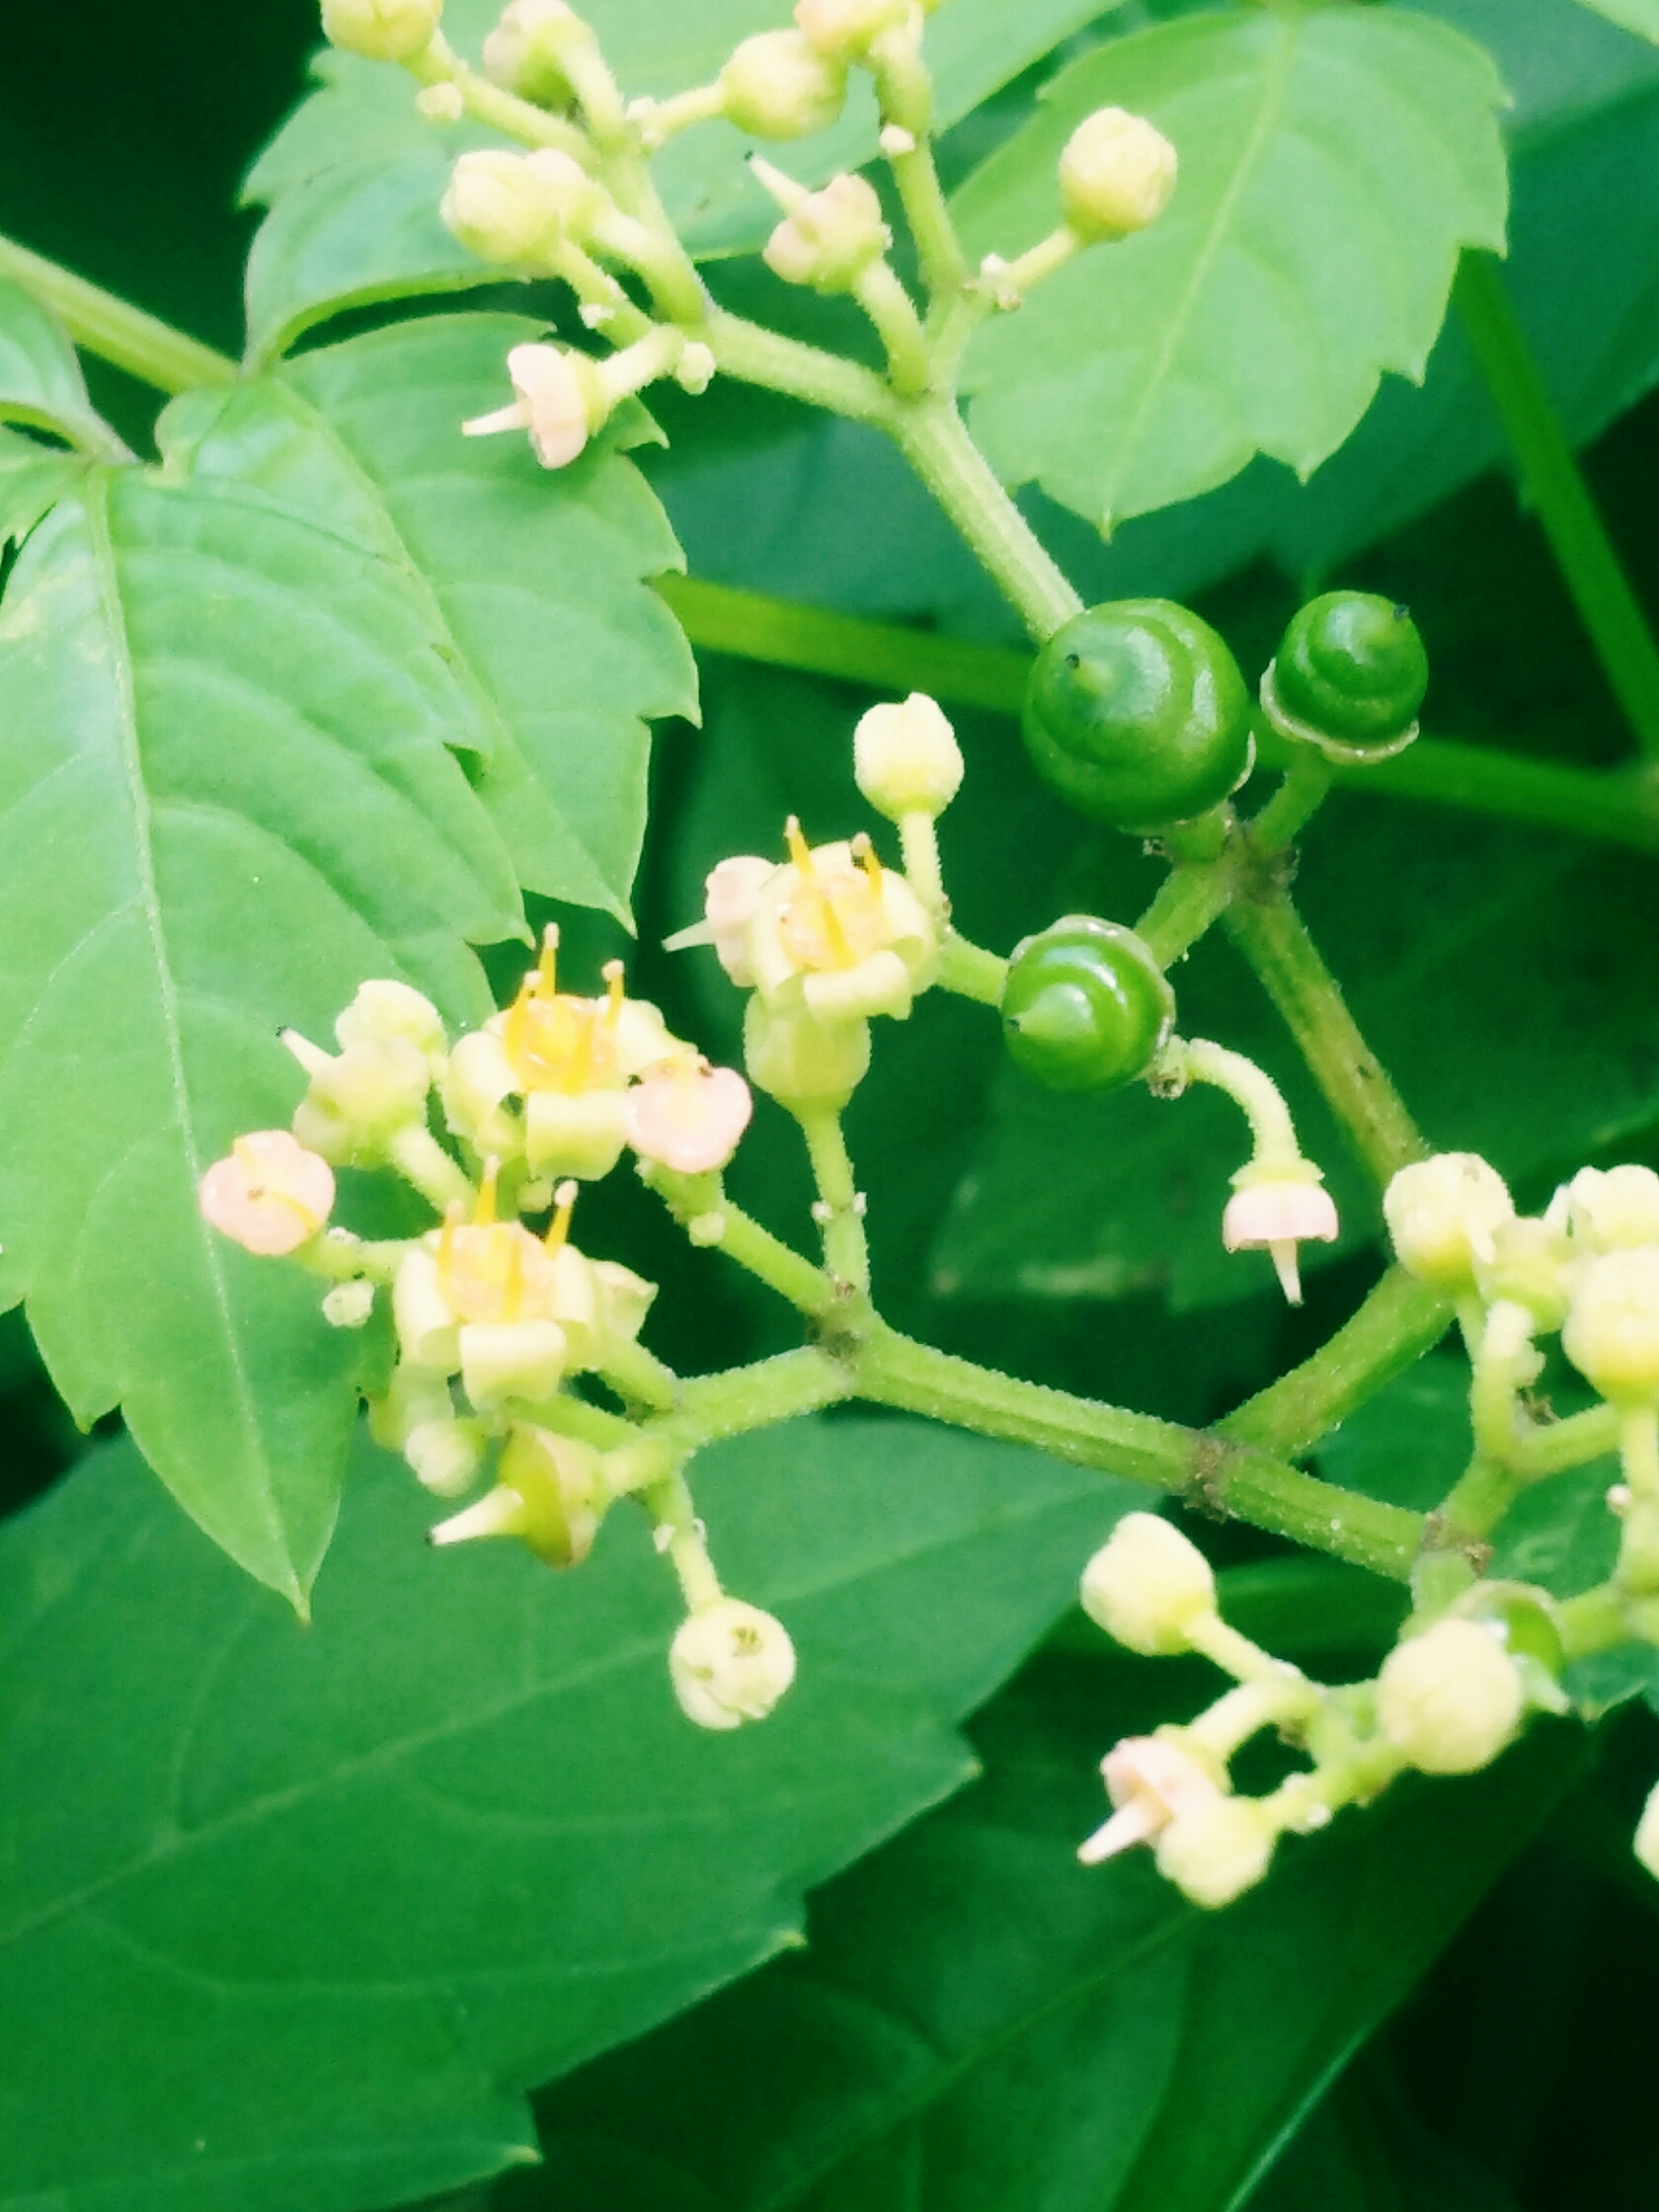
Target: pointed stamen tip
x,y
1284,1265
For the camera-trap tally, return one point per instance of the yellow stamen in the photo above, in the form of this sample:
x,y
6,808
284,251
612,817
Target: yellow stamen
x,y
547,967
864,852
513,1280
484,1209
613,971
799,851
558,1228
834,936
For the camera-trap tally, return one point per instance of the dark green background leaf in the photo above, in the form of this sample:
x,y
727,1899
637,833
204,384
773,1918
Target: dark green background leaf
x,y
311,1910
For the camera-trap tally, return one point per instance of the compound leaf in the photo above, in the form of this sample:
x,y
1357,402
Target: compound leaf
x,y
290,1922
1333,163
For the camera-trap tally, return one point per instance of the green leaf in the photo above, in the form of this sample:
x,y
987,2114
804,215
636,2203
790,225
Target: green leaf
x,y
32,478
526,581
1363,2150
1605,1679
984,2025
227,796
1334,161
40,382
290,1922
1640,15
1526,950
353,178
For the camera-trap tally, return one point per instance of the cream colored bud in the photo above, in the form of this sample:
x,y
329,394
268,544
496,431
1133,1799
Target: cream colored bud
x,y
1611,1330
444,1455
1647,1843
1451,1699
1116,175
1613,1208
777,85
1214,1851
830,239
501,210
1147,1585
729,1663
803,1063
848,29
905,759
349,1305
1442,1214
1530,1267
383,1010
383,30
525,53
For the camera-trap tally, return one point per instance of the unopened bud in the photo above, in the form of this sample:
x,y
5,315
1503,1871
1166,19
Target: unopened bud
x,y
383,1010
1116,175
730,1662
1528,1268
830,238
444,1455
1451,1699
525,53
383,30
501,208
1147,1585
905,759
1613,1208
1611,1330
1442,1214
777,85
349,1305
802,1062
847,29
1215,1849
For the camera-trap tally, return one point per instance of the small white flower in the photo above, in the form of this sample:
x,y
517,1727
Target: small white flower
x,y
561,401
1277,1212
1149,1780
729,1663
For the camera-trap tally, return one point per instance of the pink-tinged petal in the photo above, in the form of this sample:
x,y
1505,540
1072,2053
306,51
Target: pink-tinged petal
x,y
688,1117
271,1196
549,384
730,896
1278,1213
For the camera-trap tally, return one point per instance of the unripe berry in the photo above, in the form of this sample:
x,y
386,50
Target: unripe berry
x,y
1086,1005
1116,175
1442,1214
1451,1699
383,30
1611,1330
1349,676
905,759
729,1663
830,238
1147,1585
1216,1851
777,85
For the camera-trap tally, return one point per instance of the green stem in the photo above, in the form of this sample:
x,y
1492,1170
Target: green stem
x,y
934,438
1193,894
1593,1621
1219,1475
105,326
1554,486
805,372
970,972
421,1159
1399,1320
844,1253
635,1373
1268,932
713,1407
1556,1446
699,1203
938,252
891,311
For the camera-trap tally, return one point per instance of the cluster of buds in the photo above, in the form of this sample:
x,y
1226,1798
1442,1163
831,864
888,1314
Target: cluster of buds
x,y
491,1317
1447,1700
829,938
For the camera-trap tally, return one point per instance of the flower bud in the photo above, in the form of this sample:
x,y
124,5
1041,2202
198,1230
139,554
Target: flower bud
x,y
503,1360
730,1662
444,1455
847,29
383,30
777,85
1147,1585
525,53
1613,1208
830,238
500,210
386,1009
802,1062
1116,175
1611,1330
1450,1699
1442,1214
270,1195
1529,1267
361,1099
905,759
1214,1851
1647,1843
349,1305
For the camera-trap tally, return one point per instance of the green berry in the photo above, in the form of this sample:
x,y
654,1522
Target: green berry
x,y
1085,1006
1136,713
1351,670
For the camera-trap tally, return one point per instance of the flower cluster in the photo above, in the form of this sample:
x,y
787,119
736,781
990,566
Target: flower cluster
x,y
491,1318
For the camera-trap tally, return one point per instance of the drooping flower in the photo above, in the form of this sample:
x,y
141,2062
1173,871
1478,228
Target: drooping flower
x,y
729,1663
688,1115
1277,1210
270,1195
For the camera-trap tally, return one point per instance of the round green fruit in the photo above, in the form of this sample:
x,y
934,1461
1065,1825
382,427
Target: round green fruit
x,y
1351,671
1085,1006
1136,713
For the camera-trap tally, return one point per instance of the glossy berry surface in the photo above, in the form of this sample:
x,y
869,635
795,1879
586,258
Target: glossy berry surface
x,y
1086,1005
1352,666
1136,713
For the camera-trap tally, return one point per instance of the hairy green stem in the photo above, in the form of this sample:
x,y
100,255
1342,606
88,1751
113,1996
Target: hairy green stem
x,y
1556,1446
1398,1321
805,372
715,1406
700,1206
922,198
843,1209
440,64
1208,1471
125,336
970,972
1554,487
1269,933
